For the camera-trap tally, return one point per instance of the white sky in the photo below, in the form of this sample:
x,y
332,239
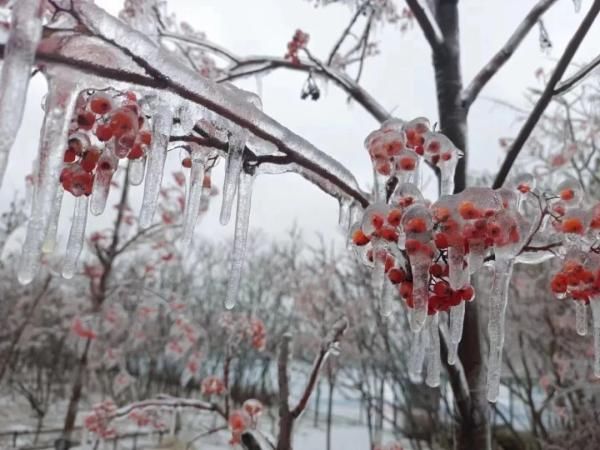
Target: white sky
x,y
401,78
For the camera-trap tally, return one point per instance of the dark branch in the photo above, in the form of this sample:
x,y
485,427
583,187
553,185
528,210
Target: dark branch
x,y
427,24
547,94
491,68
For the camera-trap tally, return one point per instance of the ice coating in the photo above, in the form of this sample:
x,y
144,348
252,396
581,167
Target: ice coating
x,y
76,237
137,167
344,213
233,168
19,54
419,345
161,130
194,194
581,318
185,82
378,272
457,318
59,106
498,302
50,241
595,305
242,221
107,165
417,223
433,352
441,152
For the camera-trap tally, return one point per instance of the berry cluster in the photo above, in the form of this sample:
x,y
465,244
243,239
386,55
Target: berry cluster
x,y
212,385
299,40
106,126
98,420
578,278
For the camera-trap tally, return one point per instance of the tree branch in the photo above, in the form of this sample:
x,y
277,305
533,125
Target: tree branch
x,y
547,94
499,59
571,82
427,24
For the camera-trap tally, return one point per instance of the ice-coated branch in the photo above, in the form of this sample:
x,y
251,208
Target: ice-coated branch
x,y
183,81
504,54
568,84
19,56
547,94
428,25
167,402
330,343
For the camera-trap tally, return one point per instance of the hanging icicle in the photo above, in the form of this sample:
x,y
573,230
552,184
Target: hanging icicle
x,y
433,353
161,131
19,55
233,168
581,318
59,106
76,237
595,305
419,345
137,167
50,241
107,165
457,318
242,221
194,195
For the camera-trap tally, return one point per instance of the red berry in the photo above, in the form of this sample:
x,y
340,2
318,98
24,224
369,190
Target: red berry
x,y
396,276
186,162
104,132
358,237
86,120
416,225
101,103
90,159
70,156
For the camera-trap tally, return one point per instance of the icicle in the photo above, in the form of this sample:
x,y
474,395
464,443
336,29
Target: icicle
x,y
19,56
457,318
581,318
344,214
233,168
498,301
577,4
433,353
161,130
242,220
50,241
595,305
76,237
476,256
378,272
457,273
194,197
107,165
420,273
385,305
53,141
417,355
136,171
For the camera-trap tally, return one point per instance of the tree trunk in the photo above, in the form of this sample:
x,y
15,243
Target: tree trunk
x,y
473,429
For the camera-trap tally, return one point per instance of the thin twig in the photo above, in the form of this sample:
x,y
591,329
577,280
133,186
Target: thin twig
x,y
427,24
499,59
568,84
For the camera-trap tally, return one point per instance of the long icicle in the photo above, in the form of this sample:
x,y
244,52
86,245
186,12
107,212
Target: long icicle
x,y
498,301
161,131
419,344
595,305
457,318
233,168
19,56
433,354
581,318
53,141
194,197
76,237
242,221
50,240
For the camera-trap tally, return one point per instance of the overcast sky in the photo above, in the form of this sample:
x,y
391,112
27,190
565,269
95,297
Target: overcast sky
x,y
400,77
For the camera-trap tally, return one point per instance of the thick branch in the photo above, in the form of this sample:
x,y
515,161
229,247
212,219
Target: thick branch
x,y
548,93
491,68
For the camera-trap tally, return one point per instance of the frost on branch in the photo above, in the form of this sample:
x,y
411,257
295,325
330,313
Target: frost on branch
x,y
19,54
